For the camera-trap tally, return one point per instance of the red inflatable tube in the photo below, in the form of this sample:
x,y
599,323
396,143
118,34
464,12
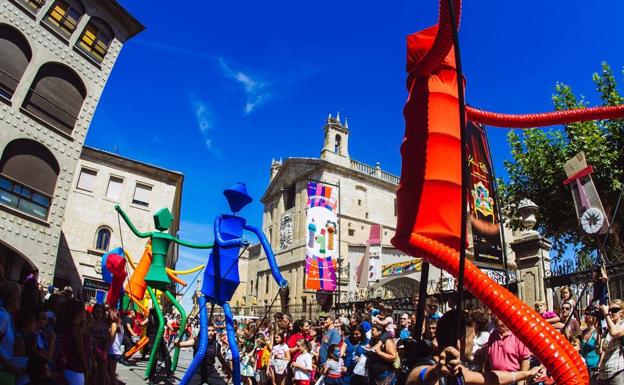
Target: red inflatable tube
x,y
429,195
545,118
547,344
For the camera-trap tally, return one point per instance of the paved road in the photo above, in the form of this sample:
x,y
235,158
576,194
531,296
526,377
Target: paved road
x,y
134,374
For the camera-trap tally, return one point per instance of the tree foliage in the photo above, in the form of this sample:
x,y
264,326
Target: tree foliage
x,y
536,170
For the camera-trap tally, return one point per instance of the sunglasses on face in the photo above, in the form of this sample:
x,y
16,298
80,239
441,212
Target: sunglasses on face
x,y
614,310
566,308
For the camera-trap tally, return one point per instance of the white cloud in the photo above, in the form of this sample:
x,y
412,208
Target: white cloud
x,y
257,90
205,120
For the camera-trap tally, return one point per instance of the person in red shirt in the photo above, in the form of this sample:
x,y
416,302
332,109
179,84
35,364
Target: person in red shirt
x,y
300,330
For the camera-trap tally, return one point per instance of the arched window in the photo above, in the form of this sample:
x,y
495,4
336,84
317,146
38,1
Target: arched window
x,y
56,96
102,239
15,54
337,144
96,38
28,173
64,15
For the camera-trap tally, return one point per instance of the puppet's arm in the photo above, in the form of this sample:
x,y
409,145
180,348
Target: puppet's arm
x,y
277,275
129,223
193,245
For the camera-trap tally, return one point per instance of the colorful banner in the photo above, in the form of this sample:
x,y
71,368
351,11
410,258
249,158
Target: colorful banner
x,y
401,268
369,267
322,240
484,221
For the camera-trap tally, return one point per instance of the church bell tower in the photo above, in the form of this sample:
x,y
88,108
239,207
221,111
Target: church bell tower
x,y
336,145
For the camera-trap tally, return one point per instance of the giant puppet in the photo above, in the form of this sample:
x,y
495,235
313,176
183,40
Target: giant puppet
x,y
221,275
152,273
429,195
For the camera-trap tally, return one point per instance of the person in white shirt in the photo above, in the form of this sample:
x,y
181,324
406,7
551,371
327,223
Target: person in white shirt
x,y
302,367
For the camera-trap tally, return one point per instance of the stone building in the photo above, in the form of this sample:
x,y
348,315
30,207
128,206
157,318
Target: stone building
x,y
367,199
55,58
91,225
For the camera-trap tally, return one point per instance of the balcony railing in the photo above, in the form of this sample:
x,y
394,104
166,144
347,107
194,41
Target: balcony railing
x,y
23,198
374,171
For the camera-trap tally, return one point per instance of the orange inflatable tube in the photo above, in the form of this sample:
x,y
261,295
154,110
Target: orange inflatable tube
x,y
139,345
429,194
136,286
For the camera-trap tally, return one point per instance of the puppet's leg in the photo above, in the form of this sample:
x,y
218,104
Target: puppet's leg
x,y
176,351
231,334
159,334
203,342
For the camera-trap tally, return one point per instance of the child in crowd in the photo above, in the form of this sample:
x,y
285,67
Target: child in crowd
x,y
302,367
263,356
333,367
280,356
550,316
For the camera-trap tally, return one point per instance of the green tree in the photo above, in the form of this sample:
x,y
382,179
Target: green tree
x,y
536,170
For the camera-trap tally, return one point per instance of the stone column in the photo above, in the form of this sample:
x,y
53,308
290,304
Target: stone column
x,y
532,258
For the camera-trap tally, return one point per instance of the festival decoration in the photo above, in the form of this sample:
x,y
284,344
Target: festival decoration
x,y
114,273
322,219
157,276
221,275
589,209
400,268
430,192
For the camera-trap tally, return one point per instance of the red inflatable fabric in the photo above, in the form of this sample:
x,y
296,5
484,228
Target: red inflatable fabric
x,y
116,264
429,196
544,118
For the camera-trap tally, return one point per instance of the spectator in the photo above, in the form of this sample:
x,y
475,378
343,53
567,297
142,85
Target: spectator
x,y
302,367
381,357
262,357
73,360
333,367
10,299
25,344
116,338
208,373
565,295
550,316
611,369
385,320
505,352
99,332
449,361
280,357
568,325
482,335
429,336
39,372
330,337
129,335
600,289
404,331
431,308
359,367
590,341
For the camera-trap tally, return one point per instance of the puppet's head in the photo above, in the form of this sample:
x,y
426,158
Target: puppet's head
x,y
237,197
163,219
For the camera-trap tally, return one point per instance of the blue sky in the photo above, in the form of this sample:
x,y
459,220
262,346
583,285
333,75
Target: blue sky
x,y
218,89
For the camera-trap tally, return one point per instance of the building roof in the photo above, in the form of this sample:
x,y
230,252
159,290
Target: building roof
x,y
373,174
156,172
133,26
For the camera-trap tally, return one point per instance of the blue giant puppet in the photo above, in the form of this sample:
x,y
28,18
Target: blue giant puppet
x,y
221,275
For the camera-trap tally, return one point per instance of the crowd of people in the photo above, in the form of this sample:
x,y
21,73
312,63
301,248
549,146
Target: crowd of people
x,y
49,337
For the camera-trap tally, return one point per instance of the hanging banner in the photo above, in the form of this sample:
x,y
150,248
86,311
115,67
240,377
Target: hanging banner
x,y
369,267
322,240
484,221
400,268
